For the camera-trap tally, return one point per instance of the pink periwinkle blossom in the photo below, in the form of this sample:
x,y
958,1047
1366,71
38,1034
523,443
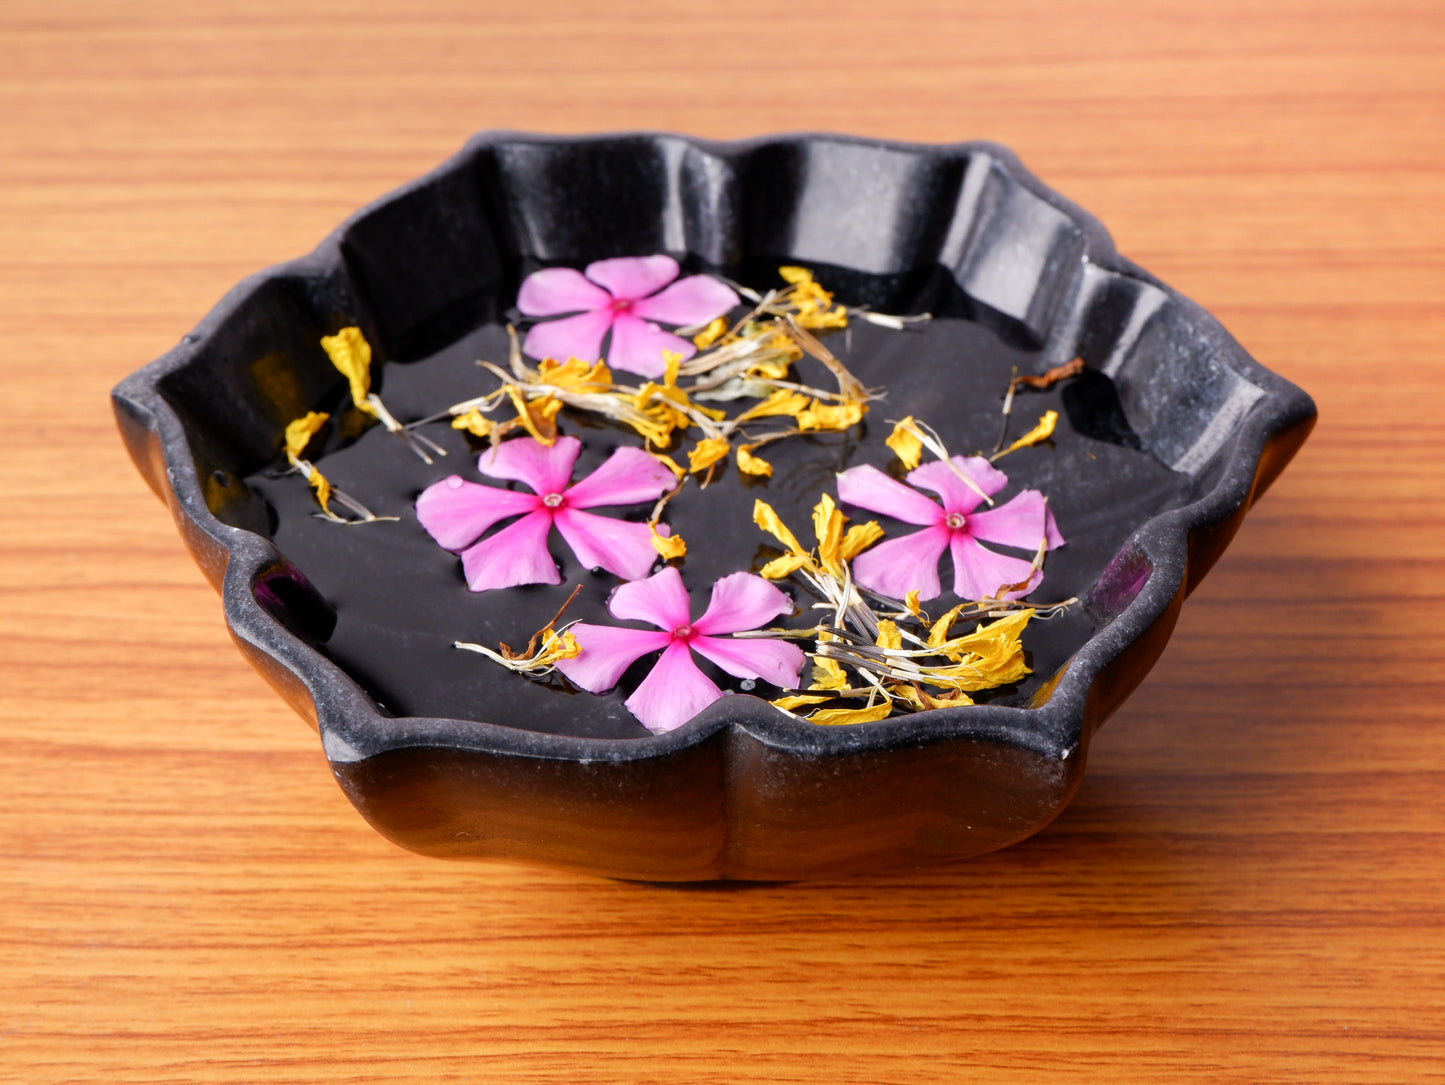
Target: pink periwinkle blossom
x,y
675,690
624,296
898,566
457,513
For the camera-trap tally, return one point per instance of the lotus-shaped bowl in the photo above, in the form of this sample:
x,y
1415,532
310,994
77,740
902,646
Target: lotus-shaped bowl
x,y
1169,436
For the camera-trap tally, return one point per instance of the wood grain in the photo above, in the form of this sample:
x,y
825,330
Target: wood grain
x,y
1248,887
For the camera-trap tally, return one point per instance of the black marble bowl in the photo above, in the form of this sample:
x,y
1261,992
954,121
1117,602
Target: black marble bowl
x,y
1166,439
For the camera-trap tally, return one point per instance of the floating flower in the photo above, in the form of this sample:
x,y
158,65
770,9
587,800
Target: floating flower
x,y
675,689
456,513
622,295
898,566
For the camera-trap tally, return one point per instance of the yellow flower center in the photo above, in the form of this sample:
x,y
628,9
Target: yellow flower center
x,y
955,520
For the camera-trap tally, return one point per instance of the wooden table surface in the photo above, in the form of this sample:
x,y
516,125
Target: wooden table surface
x,y
1250,885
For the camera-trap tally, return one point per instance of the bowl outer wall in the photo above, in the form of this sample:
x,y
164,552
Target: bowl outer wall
x,y
742,791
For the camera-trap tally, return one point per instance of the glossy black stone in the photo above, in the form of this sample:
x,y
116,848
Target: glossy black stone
x,y
1163,443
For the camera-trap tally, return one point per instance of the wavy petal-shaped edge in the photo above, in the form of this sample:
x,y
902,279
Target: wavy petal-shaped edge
x,y
687,839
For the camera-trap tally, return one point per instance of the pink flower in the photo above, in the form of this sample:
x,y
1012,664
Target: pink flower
x,y
898,566
620,295
456,513
676,690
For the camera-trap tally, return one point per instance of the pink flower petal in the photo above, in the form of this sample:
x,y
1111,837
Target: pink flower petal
x,y
869,488
627,477
633,277
528,460
1023,522
621,547
674,692
457,513
959,496
515,555
741,601
694,300
978,572
637,346
557,290
571,337
607,651
898,566
660,599
774,661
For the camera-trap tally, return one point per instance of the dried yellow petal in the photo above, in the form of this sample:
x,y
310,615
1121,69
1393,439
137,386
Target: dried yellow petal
x,y
827,674
828,527
670,463
783,566
836,717
939,633
911,602
474,422
323,490
769,521
829,416
905,443
888,635
711,334
575,374
783,401
749,464
859,538
811,301
536,415
351,354
672,362
800,700
775,369
706,453
1041,432
669,546
921,699
300,431
986,638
